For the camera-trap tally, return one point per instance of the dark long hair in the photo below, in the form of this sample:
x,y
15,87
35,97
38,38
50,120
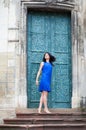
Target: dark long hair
x,y
52,58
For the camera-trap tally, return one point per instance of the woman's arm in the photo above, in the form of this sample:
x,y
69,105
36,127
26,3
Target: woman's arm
x,y
39,72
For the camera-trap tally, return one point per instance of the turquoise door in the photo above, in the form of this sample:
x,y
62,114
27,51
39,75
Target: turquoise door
x,y
49,32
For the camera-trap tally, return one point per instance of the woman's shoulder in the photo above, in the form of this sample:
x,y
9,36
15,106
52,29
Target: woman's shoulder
x,y
42,63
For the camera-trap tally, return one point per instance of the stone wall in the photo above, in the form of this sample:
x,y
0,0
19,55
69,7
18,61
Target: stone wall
x,y
83,89
82,47
12,53
9,40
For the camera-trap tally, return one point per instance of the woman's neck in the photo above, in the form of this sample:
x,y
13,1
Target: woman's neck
x,y
47,60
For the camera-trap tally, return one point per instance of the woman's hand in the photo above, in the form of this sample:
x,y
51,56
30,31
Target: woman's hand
x,y
37,82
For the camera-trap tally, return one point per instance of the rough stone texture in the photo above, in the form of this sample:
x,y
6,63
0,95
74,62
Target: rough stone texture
x,y
82,48
9,38
13,54
9,113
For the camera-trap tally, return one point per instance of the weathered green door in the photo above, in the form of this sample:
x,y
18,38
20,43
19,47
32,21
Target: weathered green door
x,y
49,32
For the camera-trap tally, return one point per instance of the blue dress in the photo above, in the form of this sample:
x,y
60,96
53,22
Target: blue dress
x,y
46,77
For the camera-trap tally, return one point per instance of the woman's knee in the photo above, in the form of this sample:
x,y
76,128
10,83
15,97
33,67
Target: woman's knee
x,y
42,96
45,93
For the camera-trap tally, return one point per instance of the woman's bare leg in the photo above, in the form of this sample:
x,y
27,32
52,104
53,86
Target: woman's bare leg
x,y
45,94
41,102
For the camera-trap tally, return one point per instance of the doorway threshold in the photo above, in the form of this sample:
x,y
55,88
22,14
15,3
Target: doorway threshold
x,y
53,110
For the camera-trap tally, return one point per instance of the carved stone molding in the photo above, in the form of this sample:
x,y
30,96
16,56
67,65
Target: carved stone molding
x,y
67,5
46,4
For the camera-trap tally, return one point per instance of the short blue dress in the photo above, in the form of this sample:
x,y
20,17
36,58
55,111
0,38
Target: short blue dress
x,y
46,77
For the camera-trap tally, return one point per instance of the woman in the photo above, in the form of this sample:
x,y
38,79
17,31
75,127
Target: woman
x,y
44,86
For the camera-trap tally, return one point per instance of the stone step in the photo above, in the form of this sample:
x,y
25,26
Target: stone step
x,y
52,115
13,127
44,127
45,120
58,127
61,120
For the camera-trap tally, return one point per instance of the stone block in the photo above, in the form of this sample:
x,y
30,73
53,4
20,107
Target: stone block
x,y
11,47
13,14
3,28
11,70
10,89
13,35
11,77
76,102
2,89
2,101
3,76
10,100
3,59
6,113
11,55
11,63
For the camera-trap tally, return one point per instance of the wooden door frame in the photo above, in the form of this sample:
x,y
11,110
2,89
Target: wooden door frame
x,y
49,6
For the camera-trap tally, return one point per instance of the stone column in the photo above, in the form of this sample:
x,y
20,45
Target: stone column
x,y
75,89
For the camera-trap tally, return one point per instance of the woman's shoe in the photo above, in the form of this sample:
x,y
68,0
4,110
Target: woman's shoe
x,y
39,111
47,111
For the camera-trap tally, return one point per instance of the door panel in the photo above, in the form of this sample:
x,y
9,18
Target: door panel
x,y
49,32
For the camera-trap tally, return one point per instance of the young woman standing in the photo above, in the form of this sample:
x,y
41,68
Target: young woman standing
x,y
44,86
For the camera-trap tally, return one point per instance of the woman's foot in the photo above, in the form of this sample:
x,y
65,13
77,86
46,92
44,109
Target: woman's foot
x,y
47,111
39,110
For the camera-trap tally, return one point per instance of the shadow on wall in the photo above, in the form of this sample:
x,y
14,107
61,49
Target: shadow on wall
x,y
83,103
